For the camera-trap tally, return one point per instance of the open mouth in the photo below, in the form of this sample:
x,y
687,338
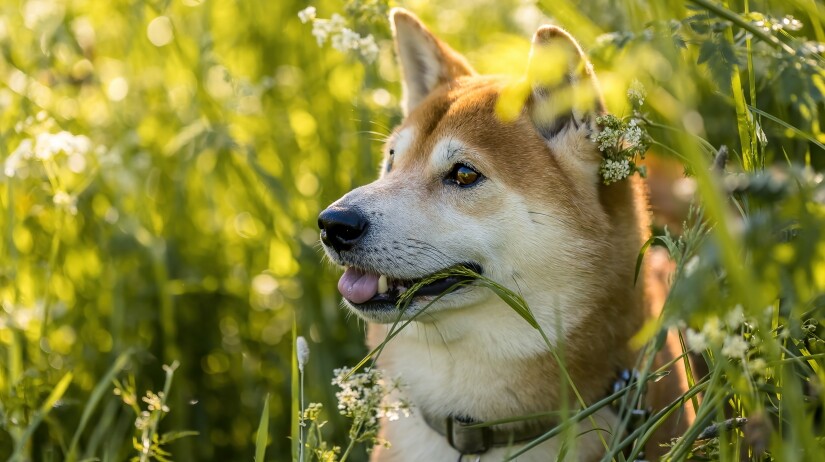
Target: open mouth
x,y
366,290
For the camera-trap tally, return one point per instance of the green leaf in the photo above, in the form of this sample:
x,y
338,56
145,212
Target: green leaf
x,y
176,435
706,52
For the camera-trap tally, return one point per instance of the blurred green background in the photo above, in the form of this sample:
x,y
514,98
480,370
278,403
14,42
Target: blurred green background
x,y
183,227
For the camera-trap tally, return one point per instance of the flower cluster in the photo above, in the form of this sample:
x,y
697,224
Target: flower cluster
x,y
62,157
156,401
47,146
772,24
620,142
615,170
722,335
341,37
731,338
312,413
323,451
364,397
636,94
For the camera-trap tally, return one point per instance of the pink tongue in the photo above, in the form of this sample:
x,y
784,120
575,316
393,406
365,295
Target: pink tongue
x,y
357,286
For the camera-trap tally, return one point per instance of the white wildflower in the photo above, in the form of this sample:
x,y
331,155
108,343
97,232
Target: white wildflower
x,y
633,134
758,367
341,37
155,401
65,201
607,138
364,398
302,352
735,317
142,421
77,162
615,170
307,14
15,160
813,48
791,23
349,400
773,24
636,93
337,22
346,40
369,49
321,28
48,145
697,341
735,347
393,410
713,330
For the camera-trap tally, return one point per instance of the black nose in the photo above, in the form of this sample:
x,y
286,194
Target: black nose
x,y
341,228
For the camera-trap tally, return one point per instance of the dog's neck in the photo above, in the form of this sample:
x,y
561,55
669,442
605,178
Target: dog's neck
x,y
500,368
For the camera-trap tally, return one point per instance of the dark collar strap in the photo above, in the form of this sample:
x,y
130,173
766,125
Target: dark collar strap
x,y
467,438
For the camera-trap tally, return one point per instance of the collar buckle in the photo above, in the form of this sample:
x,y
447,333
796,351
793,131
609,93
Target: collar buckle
x,y
467,439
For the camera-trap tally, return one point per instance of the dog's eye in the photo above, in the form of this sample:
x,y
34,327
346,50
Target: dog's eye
x,y
464,175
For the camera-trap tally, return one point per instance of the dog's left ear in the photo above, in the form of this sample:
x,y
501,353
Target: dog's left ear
x,y
564,89
426,62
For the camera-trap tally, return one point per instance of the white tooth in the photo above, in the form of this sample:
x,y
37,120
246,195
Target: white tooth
x,y
382,284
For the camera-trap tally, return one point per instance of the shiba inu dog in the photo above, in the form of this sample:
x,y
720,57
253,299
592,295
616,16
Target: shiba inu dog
x,y
520,202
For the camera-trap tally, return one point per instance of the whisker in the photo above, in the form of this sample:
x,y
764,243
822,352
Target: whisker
x,y
370,132
380,125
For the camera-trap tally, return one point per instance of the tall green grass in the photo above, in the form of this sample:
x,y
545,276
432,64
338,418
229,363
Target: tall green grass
x,y
184,229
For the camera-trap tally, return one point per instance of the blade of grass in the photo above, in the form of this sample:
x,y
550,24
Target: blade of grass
x,y
295,420
781,122
691,380
750,159
641,256
262,436
392,333
44,410
102,386
642,434
743,23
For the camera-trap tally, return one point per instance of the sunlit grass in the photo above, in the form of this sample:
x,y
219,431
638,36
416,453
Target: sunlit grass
x,y
168,213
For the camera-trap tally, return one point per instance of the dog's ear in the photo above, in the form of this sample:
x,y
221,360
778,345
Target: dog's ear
x,y
426,62
564,89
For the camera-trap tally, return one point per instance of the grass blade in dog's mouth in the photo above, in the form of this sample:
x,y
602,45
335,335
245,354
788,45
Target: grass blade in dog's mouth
x,y
370,291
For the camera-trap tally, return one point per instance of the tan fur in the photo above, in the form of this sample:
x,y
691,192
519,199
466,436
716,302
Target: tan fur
x,y
452,360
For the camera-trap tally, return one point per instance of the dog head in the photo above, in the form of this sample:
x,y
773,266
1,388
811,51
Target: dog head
x,y
463,184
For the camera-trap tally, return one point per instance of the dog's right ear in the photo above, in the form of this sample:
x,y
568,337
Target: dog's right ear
x,y
564,88
426,62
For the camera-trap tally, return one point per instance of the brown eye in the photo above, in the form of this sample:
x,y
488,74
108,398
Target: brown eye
x,y
464,175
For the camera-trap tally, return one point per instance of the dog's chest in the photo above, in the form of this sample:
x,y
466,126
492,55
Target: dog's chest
x,y
459,380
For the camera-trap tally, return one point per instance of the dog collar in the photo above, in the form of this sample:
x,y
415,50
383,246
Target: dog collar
x,y
467,435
